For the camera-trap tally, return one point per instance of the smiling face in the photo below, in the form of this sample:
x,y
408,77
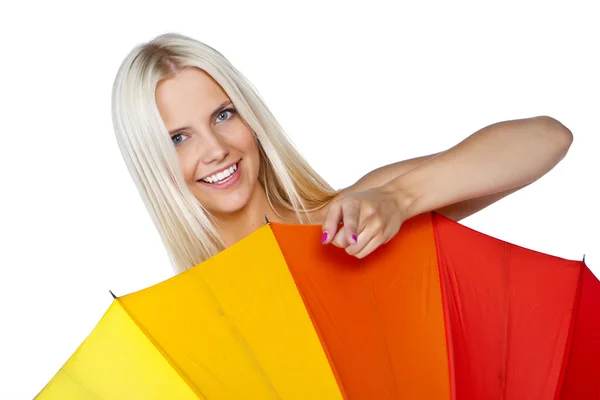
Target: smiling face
x,y
218,153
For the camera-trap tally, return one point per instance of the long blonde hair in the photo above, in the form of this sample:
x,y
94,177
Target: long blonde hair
x,y
186,228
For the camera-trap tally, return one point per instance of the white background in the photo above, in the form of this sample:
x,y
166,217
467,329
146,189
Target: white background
x,y
355,87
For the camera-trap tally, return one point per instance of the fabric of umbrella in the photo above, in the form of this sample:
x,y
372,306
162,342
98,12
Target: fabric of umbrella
x,y
439,312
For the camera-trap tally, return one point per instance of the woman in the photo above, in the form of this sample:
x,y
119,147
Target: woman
x,y
211,161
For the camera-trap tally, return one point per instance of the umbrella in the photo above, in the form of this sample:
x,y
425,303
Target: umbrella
x,y
439,312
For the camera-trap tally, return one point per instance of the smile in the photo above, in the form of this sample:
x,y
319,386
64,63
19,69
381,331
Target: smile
x,y
221,177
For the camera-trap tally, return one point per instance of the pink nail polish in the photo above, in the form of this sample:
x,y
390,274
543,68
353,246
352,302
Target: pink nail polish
x,y
324,237
355,238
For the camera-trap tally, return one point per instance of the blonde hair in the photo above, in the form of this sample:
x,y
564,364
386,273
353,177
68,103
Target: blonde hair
x,y
186,228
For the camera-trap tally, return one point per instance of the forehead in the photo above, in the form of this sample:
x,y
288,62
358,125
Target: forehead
x,y
191,92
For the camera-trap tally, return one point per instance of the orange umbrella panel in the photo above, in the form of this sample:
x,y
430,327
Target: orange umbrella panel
x,y
439,312
443,311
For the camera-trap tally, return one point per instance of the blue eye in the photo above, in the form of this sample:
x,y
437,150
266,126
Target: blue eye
x,y
177,138
225,115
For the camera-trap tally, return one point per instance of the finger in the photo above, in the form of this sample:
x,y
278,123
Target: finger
x,y
370,247
345,238
377,238
340,238
331,222
372,229
350,217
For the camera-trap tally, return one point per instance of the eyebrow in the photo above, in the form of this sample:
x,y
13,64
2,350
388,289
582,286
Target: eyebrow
x,y
212,115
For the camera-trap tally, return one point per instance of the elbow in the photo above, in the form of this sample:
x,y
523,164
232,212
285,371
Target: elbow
x,y
556,134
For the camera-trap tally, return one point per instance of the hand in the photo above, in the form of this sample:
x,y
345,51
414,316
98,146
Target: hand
x,y
370,218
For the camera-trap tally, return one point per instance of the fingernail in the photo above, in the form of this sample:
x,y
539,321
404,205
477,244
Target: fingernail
x,y
354,238
324,237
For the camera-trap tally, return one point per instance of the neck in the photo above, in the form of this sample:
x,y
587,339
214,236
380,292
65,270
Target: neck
x,y
235,226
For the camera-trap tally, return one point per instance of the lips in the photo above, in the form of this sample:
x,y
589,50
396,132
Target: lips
x,y
222,176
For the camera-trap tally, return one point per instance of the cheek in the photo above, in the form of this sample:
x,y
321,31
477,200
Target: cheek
x,y
187,163
251,145
243,138
252,153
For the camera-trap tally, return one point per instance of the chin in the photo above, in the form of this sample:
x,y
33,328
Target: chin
x,y
230,205
226,210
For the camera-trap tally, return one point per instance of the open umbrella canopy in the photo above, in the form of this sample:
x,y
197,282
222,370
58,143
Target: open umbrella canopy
x,y
439,312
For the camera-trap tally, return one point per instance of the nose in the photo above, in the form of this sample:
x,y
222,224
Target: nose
x,y
213,149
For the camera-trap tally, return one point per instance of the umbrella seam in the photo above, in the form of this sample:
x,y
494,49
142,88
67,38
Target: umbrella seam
x,y
445,304
385,339
335,370
508,251
572,329
163,353
87,389
328,354
81,384
250,351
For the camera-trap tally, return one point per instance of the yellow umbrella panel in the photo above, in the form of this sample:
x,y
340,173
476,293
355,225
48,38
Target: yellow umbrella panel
x,y
440,312
233,327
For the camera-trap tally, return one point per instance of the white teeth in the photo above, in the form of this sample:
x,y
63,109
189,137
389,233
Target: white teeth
x,y
219,176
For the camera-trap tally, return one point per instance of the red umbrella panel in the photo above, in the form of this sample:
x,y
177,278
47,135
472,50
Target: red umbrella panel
x,y
439,312
443,311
